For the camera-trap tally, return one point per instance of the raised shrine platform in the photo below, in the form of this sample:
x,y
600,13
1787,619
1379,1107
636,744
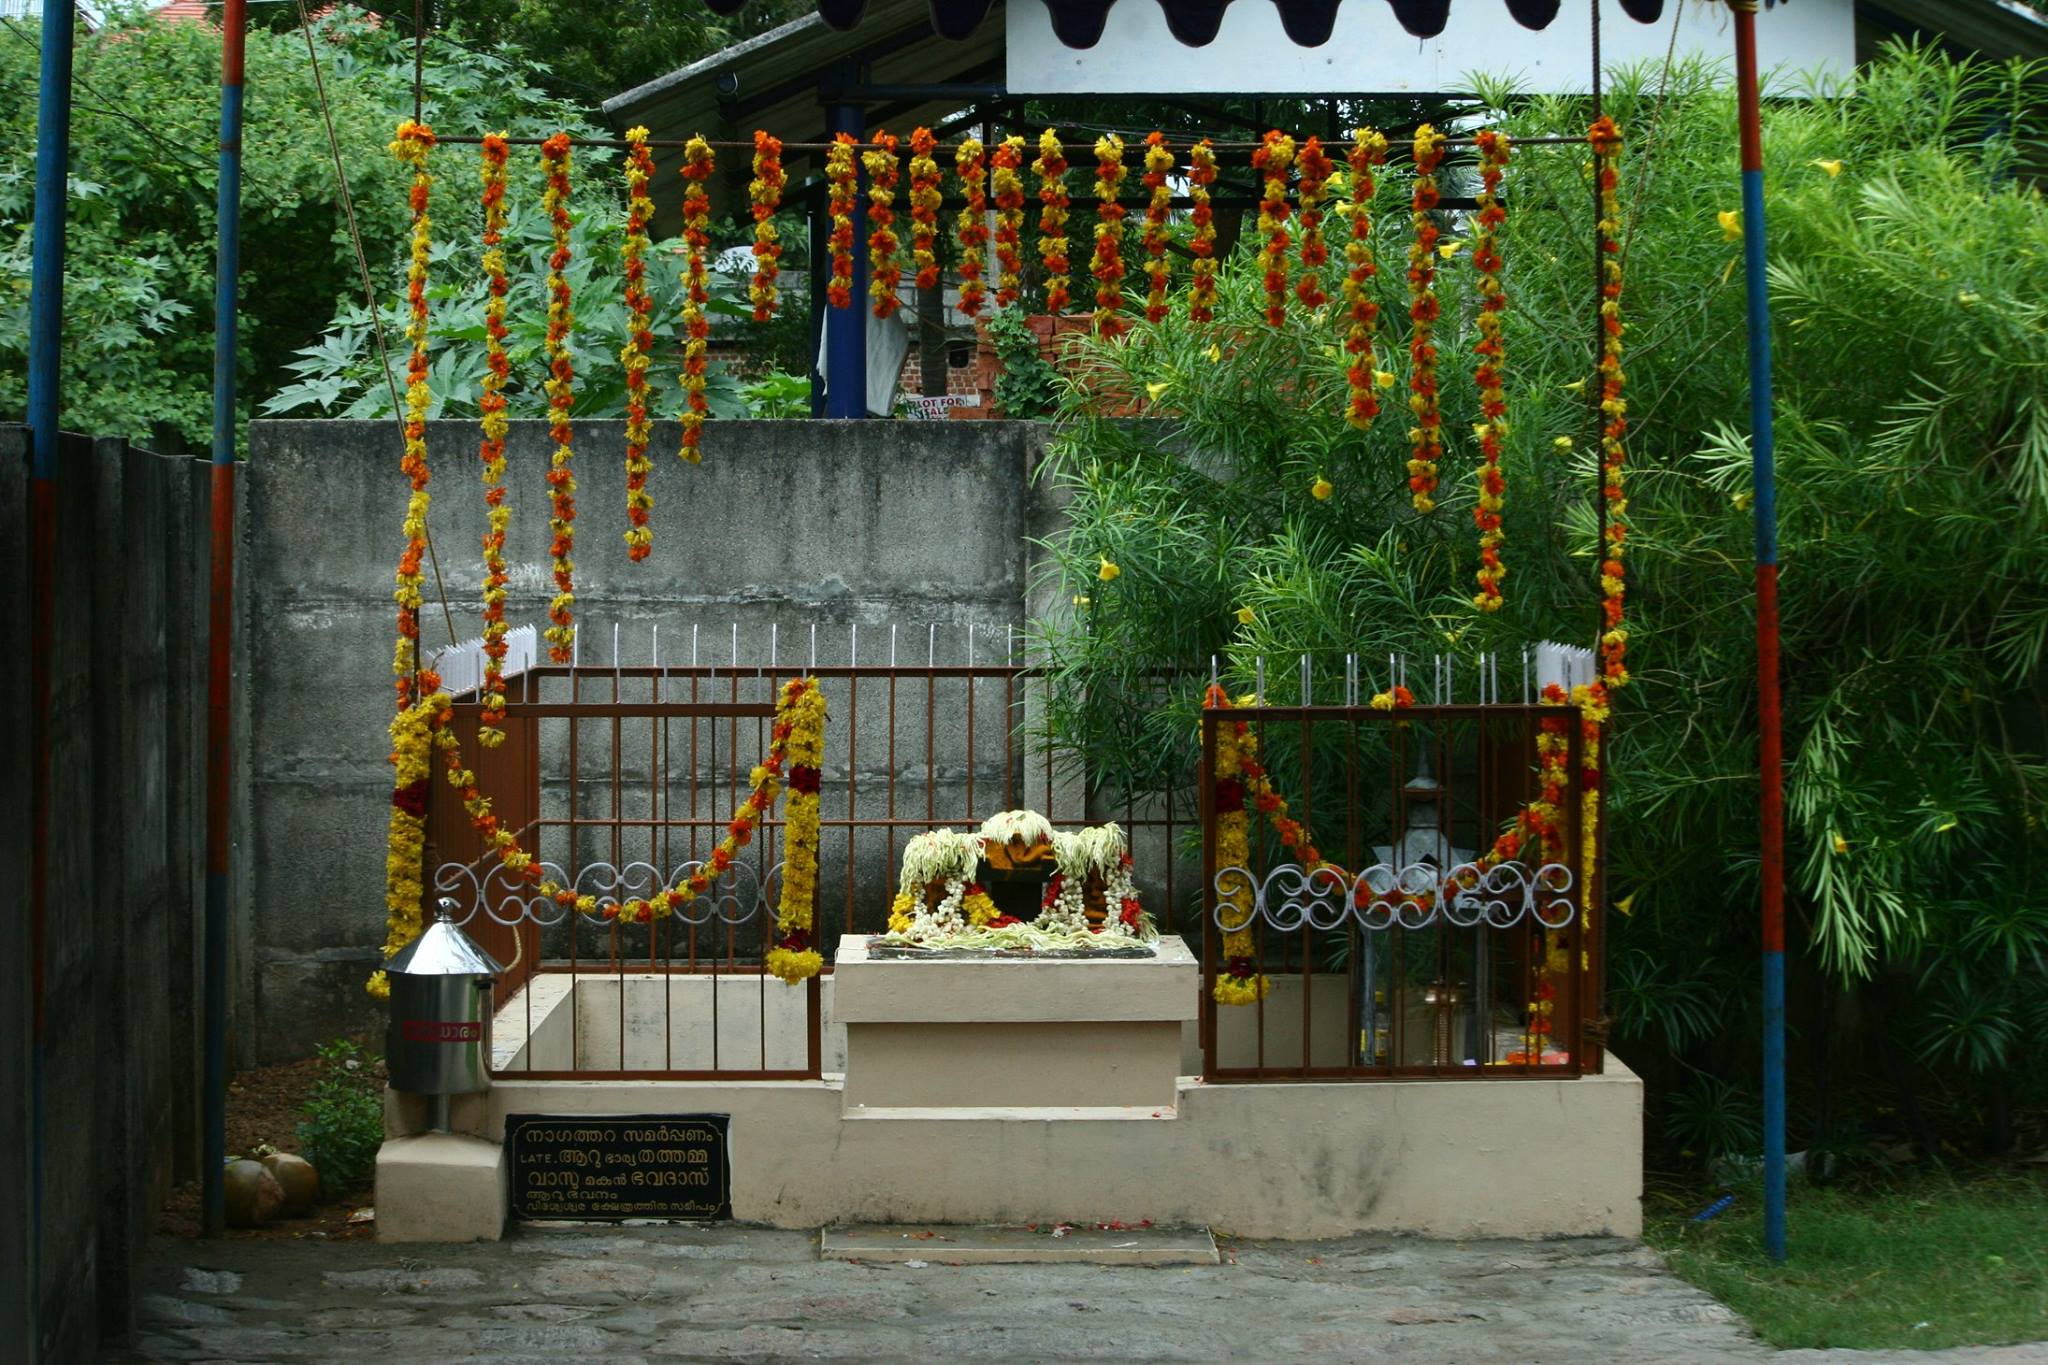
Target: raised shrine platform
x,y
1037,1091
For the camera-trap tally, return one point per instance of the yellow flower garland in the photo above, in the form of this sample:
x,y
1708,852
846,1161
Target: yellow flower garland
x,y
1316,168
406,839
925,199
561,391
1202,233
1158,210
1008,187
1493,405
794,958
1273,159
1368,151
639,344
884,275
971,229
1606,140
1051,168
764,196
1426,436
414,143
1108,264
698,164
843,198
491,451
1240,982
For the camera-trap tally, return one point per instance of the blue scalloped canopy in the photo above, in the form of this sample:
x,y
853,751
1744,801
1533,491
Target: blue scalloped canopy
x,y
1195,22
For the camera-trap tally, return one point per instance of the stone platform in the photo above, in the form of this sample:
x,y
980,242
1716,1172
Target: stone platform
x,y
1020,1092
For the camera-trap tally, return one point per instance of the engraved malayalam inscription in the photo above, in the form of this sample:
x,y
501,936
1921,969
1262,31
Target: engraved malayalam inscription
x,y
584,1168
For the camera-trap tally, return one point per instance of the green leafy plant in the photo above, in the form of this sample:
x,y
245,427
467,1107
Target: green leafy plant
x,y
344,1119
1911,337
1028,386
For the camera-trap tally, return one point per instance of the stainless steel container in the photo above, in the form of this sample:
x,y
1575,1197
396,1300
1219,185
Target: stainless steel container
x,y
439,1039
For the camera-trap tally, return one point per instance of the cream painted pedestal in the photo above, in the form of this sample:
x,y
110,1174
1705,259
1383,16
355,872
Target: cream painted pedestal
x,y
994,1037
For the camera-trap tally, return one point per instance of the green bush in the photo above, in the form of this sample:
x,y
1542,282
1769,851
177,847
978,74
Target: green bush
x,y
1911,338
344,1123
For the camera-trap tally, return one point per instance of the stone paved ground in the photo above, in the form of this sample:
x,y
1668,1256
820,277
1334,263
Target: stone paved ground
x,y
747,1294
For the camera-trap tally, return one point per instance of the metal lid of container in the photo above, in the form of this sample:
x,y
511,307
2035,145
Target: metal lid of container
x,y
443,950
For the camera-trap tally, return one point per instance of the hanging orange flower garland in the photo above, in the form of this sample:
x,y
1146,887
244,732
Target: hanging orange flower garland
x,y
1316,169
1606,140
561,391
639,343
1108,264
1361,374
1008,185
764,198
1051,168
970,160
884,275
413,146
1273,159
794,958
1493,403
491,451
842,198
925,200
698,165
1158,208
1202,233
1426,436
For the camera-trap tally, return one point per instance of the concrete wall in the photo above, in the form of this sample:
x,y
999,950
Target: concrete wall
x,y
784,523
119,1026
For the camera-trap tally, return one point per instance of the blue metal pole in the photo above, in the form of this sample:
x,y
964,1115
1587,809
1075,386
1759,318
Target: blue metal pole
x,y
220,620
45,384
846,335
1770,723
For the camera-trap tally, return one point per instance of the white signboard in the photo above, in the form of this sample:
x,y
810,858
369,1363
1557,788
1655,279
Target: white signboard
x,y
1369,53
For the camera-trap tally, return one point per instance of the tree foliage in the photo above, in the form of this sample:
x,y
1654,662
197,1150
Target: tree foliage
x,y
1912,344
140,263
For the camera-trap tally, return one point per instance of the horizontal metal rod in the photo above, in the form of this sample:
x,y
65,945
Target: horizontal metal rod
x,y
903,148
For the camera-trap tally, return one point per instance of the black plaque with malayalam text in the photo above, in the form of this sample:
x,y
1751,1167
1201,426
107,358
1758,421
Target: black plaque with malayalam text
x,y
603,1168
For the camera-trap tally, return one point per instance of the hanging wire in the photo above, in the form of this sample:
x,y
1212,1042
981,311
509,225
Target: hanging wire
x,y
355,237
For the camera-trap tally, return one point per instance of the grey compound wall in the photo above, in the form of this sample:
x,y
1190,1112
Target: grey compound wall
x,y
784,523
118,1034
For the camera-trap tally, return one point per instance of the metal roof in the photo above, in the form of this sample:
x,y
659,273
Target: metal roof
x,y
1998,29
1079,23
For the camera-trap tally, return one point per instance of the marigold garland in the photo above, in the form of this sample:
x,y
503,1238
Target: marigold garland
x,y
1493,404
1008,187
1273,159
1051,169
1202,236
884,274
491,450
925,200
798,731
793,958
698,165
1316,168
842,180
1368,152
406,836
1158,209
561,391
970,160
1426,436
1107,266
764,197
639,343
1606,140
413,145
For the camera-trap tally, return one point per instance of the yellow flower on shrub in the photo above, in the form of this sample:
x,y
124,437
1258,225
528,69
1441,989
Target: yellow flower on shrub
x,y
1731,224
1321,489
1245,616
1107,571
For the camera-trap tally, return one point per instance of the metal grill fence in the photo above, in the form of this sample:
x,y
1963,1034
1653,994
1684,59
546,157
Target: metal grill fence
x,y
620,777
1416,954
